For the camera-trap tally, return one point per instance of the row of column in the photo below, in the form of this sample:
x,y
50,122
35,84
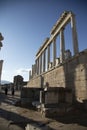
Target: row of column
x,y
43,58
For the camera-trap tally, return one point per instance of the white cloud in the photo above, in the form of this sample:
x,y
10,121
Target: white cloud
x,y
9,76
21,71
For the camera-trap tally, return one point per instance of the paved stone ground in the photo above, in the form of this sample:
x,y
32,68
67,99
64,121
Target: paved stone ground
x,y
16,118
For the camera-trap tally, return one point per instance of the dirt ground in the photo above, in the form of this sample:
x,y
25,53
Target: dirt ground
x,y
16,117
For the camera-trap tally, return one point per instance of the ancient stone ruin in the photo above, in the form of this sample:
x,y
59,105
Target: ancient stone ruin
x,y
62,81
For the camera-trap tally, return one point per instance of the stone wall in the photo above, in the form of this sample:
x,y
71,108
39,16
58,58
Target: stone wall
x,y
28,95
51,97
35,82
71,74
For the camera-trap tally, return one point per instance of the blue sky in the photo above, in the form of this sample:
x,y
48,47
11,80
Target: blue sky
x,y
26,23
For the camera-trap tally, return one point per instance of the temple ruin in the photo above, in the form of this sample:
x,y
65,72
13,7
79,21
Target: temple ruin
x,y
62,79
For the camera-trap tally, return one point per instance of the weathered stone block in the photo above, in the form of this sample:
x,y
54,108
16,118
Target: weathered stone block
x,y
72,74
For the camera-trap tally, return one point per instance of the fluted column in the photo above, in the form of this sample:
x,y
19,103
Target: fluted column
x,y
62,45
54,50
44,60
48,60
37,66
41,64
29,74
74,35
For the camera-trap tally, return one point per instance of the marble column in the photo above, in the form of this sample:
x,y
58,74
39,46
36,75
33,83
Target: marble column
x,y
74,35
29,74
1,64
48,57
32,70
44,60
54,51
62,45
40,96
36,66
41,64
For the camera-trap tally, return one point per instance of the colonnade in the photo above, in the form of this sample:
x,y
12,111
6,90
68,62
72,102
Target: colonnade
x,y
43,55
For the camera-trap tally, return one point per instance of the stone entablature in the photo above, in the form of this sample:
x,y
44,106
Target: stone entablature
x,y
44,43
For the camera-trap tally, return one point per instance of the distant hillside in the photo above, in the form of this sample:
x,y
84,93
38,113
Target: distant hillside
x,y
5,82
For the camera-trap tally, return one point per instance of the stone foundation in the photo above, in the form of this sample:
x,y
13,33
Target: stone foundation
x,y
29,95
72,74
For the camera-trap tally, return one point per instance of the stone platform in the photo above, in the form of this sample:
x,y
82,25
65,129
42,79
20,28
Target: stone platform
x,y
16,117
